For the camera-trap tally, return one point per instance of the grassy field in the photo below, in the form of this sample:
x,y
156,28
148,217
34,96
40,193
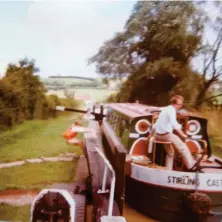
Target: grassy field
x,y
30,140
11,213
34,139
37,175
95,94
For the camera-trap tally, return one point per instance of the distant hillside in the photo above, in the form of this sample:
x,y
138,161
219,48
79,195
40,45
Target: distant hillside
x,y
61,82
71,77
70,82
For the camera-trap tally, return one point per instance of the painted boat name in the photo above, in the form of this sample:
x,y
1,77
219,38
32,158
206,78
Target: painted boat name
x,y
214,183
186,180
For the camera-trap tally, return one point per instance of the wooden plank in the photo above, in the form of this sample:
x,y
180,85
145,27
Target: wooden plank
x,y
82,171
96,168
117,160
116,154
96,164
120,179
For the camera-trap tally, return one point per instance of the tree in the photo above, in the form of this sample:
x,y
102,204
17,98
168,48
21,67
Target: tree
x,y
154,50
22,96
26,85
211,56
9,103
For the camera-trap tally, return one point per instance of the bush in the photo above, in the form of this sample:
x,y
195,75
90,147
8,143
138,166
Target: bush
x,y
23,96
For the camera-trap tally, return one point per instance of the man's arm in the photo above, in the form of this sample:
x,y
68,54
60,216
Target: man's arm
x,y
151,132
181,133
177,126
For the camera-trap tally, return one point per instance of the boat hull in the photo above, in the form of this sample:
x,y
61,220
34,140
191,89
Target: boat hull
x,y
164,203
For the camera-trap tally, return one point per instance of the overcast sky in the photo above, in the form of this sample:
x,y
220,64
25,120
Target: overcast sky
x,y
60,36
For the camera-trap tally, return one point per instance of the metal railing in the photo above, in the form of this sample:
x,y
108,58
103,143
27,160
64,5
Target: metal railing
x,y
113,181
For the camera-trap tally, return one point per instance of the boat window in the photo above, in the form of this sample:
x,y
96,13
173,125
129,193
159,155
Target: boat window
x,y
118,127
114,119
117,123
109,115
125,132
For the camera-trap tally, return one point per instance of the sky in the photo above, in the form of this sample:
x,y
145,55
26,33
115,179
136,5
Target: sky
x,y
60,36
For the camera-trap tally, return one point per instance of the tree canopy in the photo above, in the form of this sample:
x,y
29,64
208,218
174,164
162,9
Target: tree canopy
x,y
159,40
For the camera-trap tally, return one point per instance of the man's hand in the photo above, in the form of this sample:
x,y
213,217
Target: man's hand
x,y
148,138
184,137
182,134
151,134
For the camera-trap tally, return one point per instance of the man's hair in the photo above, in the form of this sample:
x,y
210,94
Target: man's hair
x,y
175,98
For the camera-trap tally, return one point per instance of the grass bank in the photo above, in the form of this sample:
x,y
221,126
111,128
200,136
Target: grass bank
x,y
11,213
37,175
35,138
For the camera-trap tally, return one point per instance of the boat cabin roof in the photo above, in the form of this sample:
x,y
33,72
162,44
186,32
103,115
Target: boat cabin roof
x,y
134,110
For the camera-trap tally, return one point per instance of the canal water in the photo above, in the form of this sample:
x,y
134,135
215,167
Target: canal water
x,y
132,215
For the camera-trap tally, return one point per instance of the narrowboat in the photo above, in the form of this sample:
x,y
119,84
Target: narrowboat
x,y
150,187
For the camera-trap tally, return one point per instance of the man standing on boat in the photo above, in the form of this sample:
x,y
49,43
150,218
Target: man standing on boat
x,y
164,126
